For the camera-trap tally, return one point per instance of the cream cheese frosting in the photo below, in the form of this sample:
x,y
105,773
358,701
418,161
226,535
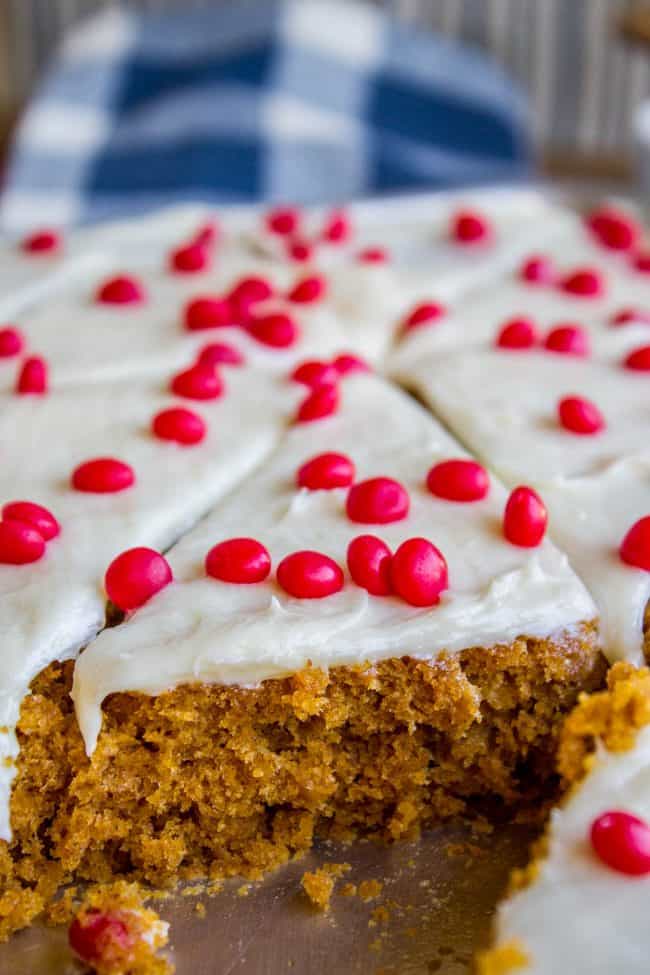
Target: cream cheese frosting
x,y
503,406
53,606
199,629
578,915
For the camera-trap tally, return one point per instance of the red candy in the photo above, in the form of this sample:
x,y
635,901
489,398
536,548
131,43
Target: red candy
x,y
11,342
377,501
638,359
641,262
469,227
32,514
179,425
613,229
347,362
308,290
245,294
99,937
627,315
314,373
337,227
518,333
635,547
42,242
321,402
277,330
585,283
369,562
238,560
425,313
458,480
326,471
524,518
373,255
580,415
135,576
199,382
538,270
207,312
33,377
283,221
121,290
220,353
103,475
419,572
309,575
190,258
568,340
300,250
622,842
20,543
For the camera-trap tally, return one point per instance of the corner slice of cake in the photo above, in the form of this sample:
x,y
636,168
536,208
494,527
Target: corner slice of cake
x,y
581,906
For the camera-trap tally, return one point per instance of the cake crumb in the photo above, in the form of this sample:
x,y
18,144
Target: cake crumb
x,y
348,890
508,957
244,890
370,889
199,909
319,887
380,915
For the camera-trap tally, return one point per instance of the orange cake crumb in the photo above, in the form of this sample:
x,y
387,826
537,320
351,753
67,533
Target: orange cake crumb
x,y
370,889
507,958
319,887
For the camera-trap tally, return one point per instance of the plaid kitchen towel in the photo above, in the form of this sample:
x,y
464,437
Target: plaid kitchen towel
x,y
282,100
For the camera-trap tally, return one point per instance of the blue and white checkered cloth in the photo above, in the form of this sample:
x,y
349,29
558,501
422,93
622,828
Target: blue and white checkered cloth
x,y
283,100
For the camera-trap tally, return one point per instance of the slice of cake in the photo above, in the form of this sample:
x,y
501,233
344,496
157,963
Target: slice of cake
x,y
581,906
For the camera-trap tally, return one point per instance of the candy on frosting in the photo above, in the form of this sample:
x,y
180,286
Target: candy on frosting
x,y
635,547
190,258
321,402
32,514
135,576
377,501
314,372
325,472
180,425
11,342
525,518
199,382
517,333
580,415
418,572
308,290
622,841
220,353
238,560
33,377
458,480
309,575
42,242
103,475
121,290
207,312
369,564
568,340
538,269
277,330
20,543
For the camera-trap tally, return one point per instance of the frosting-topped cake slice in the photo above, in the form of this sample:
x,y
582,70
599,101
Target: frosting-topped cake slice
x,y
362,471
581,906
576,431
90,471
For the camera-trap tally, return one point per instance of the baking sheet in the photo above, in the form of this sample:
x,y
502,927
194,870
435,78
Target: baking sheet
x,y
439,892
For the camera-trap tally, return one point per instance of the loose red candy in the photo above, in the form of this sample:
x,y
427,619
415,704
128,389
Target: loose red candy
x,y
42,242
321,402
373,255
314,373
277,330
635,547
627,315
245,295
525,518
458,480
135,576
283,221
425,313
308,290
469,227
200,382
100,937
568,340
179,425
538,270
347,362
103,475
326,471
585,283
11,342
579,415
614,229
337,228
220,353
518,333
418,572
33,377
238,560
300,250
20,543
207,312
622,842
121,290
638,359
369,563
190,258
377,501
309,575
32,514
